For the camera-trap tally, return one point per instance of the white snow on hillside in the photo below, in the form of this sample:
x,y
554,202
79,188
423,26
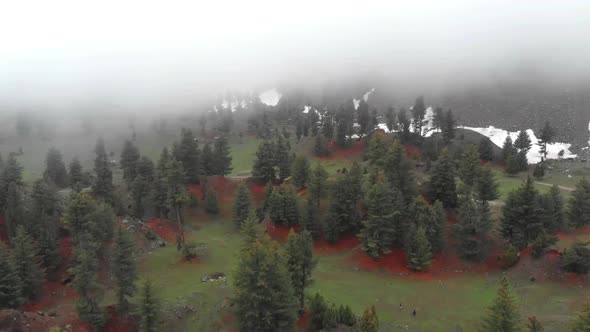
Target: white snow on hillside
x,y
367,94
306,109
356,102
270,97
497,136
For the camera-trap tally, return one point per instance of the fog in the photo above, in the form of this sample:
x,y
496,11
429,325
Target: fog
x,y
160,56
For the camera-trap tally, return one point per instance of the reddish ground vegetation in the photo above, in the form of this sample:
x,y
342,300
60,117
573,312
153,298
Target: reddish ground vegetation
x,y
338,153
3,231
195,260
53,292
166,229
303,321
412,151
324,247
256,191
117,323
223,187
576,233
444,265
279,233
65,248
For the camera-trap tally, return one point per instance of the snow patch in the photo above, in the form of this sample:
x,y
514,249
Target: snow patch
x,y
270,97
365,97
498,136
367,94
306,109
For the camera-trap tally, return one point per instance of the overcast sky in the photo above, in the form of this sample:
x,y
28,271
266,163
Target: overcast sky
x,y
152,52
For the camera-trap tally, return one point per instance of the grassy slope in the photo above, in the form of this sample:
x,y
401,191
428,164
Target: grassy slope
x,y
441,305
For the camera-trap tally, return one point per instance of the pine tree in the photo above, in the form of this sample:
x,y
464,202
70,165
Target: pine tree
x,y
513,166
377,151
521,222
378,232
129,160
263,170
503,313
264,299
211,205
436,230
49,250
319,150
103,184
418,112
26,261
419,252
12,174
546,137
76,174
346,316
300,264
123,269
487,185
331,317
343,212
103,216
364,117
139,192
582,322
14,212
283,158
301,170
318,308
42,216
390,118
522,161
508,149
55,169
189,156
523,141
318,183
241,205
177,196
222,156
577,258
251,228
327,127
146,168
283,206
160,188
10,283
208,160
369,321
404,124
486,149
469,166
149,308
85,284
554,206
471,232
539,170
84,230
534,325
399,171
442,185
578,209
448,129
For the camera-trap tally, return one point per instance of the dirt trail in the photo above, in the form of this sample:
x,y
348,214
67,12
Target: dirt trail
x,y
560,187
